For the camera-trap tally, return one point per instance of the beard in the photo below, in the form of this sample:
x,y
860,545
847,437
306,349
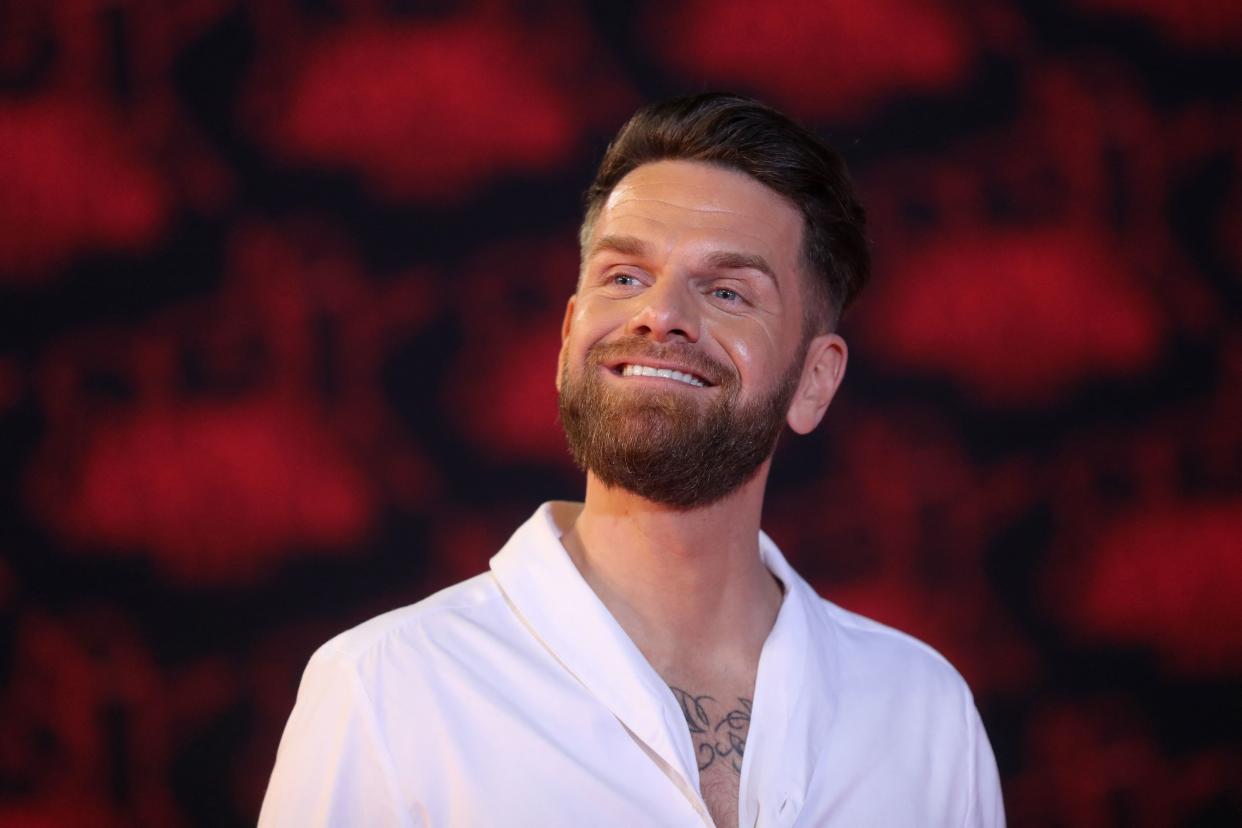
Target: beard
x,y
668,446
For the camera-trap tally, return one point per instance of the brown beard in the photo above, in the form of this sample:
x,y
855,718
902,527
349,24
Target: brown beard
x,y
666,446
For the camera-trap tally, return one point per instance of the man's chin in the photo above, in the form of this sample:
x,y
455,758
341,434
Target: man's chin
x,y
673,489
653,424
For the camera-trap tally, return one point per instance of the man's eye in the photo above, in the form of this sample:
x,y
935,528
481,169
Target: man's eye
x,y
624,279
726,294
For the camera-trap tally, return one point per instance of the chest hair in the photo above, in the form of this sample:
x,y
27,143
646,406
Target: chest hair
x,y
718,725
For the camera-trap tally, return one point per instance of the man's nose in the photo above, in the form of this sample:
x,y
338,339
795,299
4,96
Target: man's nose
x,y
666,312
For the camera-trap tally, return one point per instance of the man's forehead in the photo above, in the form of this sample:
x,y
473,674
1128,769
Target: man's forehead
x,y
688,197
695,184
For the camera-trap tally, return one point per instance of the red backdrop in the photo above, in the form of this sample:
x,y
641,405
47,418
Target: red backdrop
x,y
280,292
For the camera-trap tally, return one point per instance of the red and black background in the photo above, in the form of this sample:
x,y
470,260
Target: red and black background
x,y
280,292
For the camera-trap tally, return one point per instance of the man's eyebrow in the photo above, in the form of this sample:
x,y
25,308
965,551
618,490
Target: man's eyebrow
x,y
719,260
733,260
625,245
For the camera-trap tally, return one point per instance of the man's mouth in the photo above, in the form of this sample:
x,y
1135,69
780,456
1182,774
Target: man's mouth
x,y
630,369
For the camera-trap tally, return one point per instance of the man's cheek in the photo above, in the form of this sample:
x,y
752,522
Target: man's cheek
x,y
562,361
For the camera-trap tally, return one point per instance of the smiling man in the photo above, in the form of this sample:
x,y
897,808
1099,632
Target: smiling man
x,y
648,657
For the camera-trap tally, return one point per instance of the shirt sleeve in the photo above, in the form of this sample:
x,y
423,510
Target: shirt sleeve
x,y
333,767
986,807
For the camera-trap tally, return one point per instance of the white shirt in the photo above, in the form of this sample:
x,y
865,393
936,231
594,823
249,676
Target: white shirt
x,y
515,698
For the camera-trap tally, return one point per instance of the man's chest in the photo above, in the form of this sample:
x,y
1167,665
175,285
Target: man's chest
x,y
719,724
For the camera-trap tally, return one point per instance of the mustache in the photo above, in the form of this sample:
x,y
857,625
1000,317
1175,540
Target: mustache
x,y
636,349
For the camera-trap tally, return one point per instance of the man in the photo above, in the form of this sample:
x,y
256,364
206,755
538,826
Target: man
x,y
648,657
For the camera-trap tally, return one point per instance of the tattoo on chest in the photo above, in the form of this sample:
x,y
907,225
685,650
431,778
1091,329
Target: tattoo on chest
x,y
719,734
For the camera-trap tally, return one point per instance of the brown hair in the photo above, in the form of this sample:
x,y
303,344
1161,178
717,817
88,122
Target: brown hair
x,y
742,134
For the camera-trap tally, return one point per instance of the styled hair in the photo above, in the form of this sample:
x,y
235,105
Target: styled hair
x,y
742,134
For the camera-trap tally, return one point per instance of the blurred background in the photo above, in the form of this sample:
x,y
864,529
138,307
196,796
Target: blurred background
x,y
280,292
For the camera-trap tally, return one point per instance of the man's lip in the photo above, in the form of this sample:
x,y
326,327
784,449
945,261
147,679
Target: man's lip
x,y
616,365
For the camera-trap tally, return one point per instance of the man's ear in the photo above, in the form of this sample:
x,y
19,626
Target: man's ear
x,y
566,324
822,372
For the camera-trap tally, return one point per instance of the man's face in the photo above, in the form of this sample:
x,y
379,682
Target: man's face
x,y
692,271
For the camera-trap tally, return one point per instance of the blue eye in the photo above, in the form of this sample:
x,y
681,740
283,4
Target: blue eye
x,y
726,294
624,279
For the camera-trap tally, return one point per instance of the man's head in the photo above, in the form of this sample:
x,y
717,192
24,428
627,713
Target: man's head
x,y
742,134
702,322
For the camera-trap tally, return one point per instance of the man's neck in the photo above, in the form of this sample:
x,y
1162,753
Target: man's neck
x,y
688,586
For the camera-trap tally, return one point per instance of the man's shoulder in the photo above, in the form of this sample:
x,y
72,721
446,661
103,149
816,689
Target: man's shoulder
x,y
875,655
415,626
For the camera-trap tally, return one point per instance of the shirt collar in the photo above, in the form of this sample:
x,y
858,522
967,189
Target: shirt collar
x,y
552,599
562,611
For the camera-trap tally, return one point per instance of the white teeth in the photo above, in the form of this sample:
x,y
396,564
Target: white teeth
x,y
667,373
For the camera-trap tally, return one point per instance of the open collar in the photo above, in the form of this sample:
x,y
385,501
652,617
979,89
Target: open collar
x,y
561,610
554,601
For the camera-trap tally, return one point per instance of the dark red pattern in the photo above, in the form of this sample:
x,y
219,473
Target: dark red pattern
x,y
73,183
386,99
821,59
1168,577
1017,316
281,288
